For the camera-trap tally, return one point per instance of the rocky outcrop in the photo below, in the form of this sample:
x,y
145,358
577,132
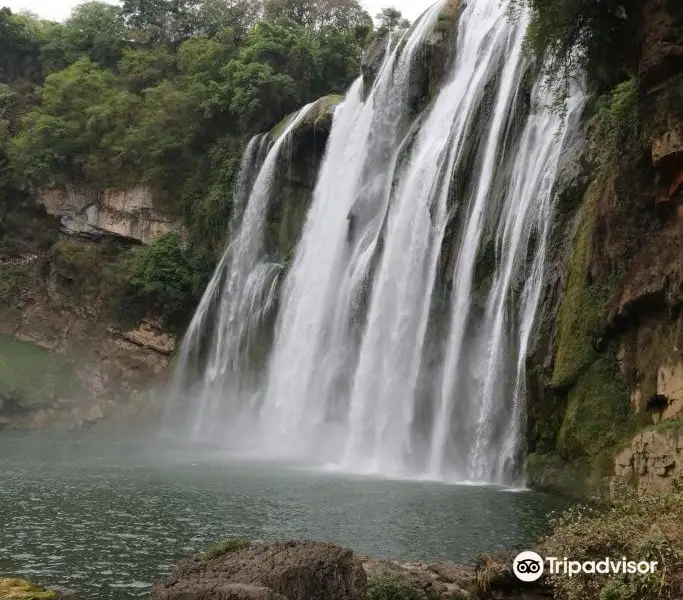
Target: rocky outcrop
x,y
296,176
662,47
445,581
128,213
608,365
295,570
18,589
654,460
304,570
90,370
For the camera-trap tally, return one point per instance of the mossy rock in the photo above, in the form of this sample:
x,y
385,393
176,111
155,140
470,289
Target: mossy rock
x,y
598,411
582,309
319,114
18,589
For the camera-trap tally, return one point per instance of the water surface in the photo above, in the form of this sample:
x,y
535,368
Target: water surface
x,y
107,514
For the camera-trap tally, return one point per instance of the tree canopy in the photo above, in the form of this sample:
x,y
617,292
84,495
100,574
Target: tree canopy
x,y
164,93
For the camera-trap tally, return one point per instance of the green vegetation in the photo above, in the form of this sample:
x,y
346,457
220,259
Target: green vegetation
x,y
12,279
618,123
160,279
221,548
18,589
164,94
581,313
577,36
598,413
648,528
386,587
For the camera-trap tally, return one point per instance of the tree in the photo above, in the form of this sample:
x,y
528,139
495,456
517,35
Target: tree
x,y
96,29
161,21
238,15
575,36
391,18
319,15
145,67
19,49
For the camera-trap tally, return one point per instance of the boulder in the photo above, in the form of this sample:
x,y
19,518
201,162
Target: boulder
x,y
296,570
18,589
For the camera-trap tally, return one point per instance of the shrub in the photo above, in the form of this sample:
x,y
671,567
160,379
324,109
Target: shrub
x,y
223,547
648,528
391,588
159,281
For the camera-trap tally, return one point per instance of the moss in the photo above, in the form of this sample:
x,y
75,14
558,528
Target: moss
x,y
598,413
580,478
582,310
18,589
12,279
222,548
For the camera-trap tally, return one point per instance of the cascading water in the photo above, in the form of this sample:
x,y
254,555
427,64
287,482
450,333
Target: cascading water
x,y
372,367
213,361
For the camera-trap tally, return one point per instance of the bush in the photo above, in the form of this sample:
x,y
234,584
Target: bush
x,y
224,547
391,588
648,528
159,281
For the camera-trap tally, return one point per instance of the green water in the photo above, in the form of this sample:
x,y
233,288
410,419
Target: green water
x,y
105,514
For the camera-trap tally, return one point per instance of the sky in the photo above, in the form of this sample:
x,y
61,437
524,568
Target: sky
x,y
58,10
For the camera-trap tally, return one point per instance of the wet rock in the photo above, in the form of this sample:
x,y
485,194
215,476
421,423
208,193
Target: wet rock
x,y
297,570
372,59
211,589
662,48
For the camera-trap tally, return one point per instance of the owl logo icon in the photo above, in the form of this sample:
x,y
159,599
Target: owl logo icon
x,y
527,566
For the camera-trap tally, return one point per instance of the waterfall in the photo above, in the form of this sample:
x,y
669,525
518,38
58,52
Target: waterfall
x,y
213,360
406,315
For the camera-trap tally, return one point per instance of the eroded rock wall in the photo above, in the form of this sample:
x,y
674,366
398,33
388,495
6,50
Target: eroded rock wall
x,y
128,213
65,362
608,366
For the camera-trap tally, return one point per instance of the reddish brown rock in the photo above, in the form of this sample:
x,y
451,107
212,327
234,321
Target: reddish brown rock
x,y
296,570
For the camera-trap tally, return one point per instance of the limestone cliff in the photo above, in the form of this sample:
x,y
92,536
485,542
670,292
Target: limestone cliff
x,y
128,213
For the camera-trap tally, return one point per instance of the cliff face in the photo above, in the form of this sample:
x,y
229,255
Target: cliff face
x,y
63,362
128,213
609,364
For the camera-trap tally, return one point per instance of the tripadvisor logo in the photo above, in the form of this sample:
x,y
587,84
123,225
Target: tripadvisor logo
x,y
529,566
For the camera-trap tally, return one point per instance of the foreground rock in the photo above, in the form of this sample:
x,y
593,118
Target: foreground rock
x,y
296,570
303,570
18,589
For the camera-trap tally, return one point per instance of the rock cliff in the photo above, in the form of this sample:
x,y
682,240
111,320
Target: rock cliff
x,y
129,213
608,363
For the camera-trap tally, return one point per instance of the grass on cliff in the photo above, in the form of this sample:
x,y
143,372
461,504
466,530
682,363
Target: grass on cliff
x,y
223,547
648,528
